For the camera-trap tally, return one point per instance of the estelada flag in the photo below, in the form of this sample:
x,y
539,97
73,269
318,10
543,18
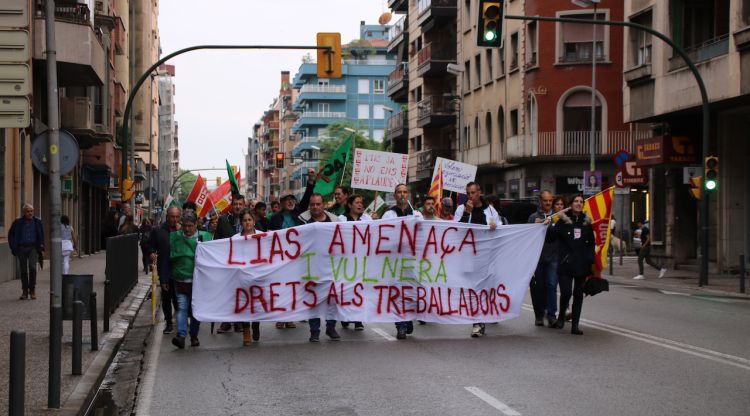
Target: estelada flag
x,y
222,196
599,209
200,195
436,188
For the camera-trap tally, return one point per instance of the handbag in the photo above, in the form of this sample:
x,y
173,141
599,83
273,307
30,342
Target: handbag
x,y
594,285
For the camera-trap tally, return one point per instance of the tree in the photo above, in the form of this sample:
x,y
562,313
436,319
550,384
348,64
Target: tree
x,y
187,180
337,133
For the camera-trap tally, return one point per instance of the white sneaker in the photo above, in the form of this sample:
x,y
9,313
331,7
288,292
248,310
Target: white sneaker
x,y
639,277
477,331
662,272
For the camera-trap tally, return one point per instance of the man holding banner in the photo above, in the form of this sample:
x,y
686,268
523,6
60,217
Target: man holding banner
x,y
229,225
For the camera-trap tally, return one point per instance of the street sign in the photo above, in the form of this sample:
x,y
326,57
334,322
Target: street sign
x,y
67,184
68,149
621,157
690,172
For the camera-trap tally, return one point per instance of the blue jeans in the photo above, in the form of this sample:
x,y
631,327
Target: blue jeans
x,y
547,272
183,310
315,324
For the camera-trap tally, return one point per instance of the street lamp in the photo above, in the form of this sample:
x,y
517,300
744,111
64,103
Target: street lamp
x,y
458,70
592,148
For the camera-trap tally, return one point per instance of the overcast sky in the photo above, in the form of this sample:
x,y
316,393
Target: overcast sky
x,y
221,94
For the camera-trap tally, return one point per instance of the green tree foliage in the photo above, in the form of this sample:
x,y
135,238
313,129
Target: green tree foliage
x,y
337,134
186,183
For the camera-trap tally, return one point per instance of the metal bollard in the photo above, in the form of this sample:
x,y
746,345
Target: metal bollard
x,y
105,307
93,320
17,380
742,273
77,337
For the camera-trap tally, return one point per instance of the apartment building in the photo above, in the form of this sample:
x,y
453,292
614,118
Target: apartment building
x,y
661,90
168,141
358,97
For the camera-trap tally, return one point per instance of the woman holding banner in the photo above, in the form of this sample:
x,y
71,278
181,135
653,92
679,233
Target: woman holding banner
x,y
247,221
576,246
354,210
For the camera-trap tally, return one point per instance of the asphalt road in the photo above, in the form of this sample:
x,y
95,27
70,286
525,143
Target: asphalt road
x,y
643,352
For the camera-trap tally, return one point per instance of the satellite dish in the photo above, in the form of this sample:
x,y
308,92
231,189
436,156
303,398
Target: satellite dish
x,y
385,18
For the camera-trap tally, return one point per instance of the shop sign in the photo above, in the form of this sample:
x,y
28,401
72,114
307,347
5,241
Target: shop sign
x,y
666,149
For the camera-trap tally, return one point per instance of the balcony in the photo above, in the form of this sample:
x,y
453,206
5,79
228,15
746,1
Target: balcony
x,y
435,12
320,92
707,50
571,144
436,111
317,118
80,55
426,161
398,6
99,155
306,144
433,59
398,127
398,34
273,125
398,83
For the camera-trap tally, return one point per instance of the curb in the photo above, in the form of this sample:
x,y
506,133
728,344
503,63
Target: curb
x,y
79,401
656,285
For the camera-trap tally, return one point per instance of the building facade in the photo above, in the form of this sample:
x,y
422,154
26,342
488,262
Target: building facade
x,y
168,143
661,90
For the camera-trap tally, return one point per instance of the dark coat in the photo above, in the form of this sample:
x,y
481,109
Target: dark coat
x,y
277,220
225,227
159,244
575,256
15,234
549,250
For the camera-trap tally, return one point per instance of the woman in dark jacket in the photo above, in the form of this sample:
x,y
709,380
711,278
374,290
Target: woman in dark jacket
x,y
576,245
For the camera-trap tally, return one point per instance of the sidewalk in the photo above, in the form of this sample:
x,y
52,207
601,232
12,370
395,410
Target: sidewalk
x,y
32,316
682,279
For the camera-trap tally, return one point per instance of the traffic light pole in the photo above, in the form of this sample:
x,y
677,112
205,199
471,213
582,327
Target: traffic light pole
x,y
703,281
125,139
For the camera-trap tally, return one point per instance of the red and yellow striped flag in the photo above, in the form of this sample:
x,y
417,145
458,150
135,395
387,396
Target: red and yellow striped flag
x,y
599,209
436,188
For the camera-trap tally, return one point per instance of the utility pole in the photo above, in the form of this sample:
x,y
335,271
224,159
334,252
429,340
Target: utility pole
x,y
55,259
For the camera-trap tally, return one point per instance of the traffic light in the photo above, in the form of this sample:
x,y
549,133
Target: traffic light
x,y
696,184
711,172
332,40
490,24
280,160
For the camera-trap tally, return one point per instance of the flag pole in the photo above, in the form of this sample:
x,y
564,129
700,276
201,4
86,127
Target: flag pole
x,y
351,144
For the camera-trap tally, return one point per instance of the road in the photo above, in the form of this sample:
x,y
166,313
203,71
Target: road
x,y
644,351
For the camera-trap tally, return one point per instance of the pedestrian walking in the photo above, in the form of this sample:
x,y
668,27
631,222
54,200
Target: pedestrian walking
x,y
261,220
126,211
355,211
228,225
182,244
159,252
26,241
69,241
575,256
402,208
317,213
145,237
477,211
128,226
543,284
645,254
250,332
429,211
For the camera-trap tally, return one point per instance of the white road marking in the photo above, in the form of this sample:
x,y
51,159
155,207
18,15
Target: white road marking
x,y
497,404
669,292
706,353
146,386
383,334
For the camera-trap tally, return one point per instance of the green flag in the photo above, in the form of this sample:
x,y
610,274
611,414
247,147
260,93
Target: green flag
x,y
232,179
330,174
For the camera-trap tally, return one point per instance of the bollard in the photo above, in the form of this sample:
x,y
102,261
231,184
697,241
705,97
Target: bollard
x,y
105,307
742,273
17,380
93,320
55,353
77,337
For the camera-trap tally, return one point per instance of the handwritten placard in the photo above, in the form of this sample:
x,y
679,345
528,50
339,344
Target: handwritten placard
x,y
455,174
378,171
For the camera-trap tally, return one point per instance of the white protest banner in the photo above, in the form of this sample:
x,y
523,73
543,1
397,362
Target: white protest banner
x,y
455,174
378,171
375,271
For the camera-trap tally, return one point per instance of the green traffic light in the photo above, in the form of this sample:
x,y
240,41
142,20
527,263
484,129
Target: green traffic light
x,y
489,36
711,185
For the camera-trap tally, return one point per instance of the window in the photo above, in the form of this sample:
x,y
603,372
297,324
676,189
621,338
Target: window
x,y
323,81
501,62
477,136
488,129
488,61
378,86
696,23
416,144
378,134
2,174
531,45
477,71
514,51
378,112
746,12
640,41
466,15
577,112
417,94
363,111
467,76
577,39
363,86
324,107
514,122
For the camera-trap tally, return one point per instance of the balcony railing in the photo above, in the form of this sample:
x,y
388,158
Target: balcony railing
x,y
396,122
426,160
388,62
436,105
573,143
398,74
324,89
309,139
67,10
424,5
440,52
397,28
322,114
